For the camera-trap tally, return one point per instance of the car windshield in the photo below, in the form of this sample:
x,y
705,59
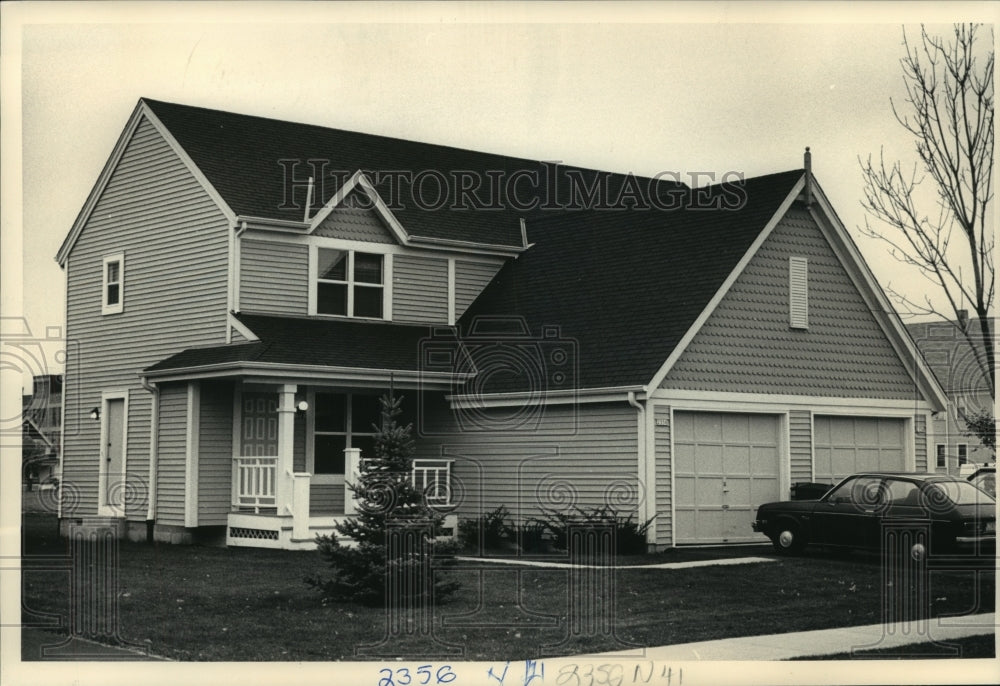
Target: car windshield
x,y
986,481
959,492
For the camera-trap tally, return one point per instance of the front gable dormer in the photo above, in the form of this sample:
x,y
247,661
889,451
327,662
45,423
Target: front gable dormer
x,y
353,259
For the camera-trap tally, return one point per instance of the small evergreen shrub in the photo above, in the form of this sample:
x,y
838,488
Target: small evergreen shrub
x,y
387,501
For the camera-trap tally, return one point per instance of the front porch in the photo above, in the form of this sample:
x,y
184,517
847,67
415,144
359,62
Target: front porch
x,y
291,478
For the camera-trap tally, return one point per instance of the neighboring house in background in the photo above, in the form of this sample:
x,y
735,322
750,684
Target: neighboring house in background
x,y
41,414
954,363
684,364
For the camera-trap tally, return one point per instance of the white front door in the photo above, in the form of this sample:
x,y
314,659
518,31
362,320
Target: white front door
x,y
113,455
725,466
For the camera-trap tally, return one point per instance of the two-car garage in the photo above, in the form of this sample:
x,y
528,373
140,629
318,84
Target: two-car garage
x,y
726,464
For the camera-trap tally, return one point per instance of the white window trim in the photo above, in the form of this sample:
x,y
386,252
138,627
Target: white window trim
x,y
103,508
350,283
958,453
312,433
118,307
940,455
798,292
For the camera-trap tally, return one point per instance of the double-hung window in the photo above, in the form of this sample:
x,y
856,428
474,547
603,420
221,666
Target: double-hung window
x,y
112,284
350,283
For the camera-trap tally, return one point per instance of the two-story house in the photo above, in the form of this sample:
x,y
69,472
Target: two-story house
x,y
237,320
959,368
41,429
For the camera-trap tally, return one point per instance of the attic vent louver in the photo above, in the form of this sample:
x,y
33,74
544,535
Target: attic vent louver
x,y
798,292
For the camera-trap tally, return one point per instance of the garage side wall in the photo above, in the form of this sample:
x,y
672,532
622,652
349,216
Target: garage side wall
x,y
575,455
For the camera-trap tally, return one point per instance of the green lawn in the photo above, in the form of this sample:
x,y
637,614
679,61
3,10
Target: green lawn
x,y
198,603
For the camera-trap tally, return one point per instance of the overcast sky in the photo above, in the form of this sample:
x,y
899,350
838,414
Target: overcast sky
x,y
644,96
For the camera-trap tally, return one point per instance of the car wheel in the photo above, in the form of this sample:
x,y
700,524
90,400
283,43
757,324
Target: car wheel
x,y
788,538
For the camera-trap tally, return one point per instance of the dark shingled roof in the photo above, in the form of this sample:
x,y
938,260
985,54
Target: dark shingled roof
x,y
325,342
240,154
624,287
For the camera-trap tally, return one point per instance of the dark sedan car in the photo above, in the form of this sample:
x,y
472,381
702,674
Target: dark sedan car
x,y
856,512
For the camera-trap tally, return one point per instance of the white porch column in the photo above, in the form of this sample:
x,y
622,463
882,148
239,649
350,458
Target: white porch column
x,y
286,429
300,505
352,467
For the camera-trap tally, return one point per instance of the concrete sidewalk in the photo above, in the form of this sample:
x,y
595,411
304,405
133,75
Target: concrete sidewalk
x,y
659,565
45,646
824,641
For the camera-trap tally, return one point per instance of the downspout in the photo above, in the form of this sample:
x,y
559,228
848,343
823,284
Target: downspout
x,y
154,430
641,457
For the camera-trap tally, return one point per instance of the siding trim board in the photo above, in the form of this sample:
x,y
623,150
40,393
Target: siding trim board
x,y
725,398
191,459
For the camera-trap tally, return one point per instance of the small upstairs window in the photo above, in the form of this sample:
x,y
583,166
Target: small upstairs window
x,y
113,284
798,292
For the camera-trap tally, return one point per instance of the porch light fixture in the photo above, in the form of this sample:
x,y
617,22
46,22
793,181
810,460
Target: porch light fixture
x,y
302,406
95,414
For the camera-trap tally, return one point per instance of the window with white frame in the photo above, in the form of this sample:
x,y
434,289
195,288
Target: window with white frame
x,y
940,455
798,292
343,420
963,453
113,284
350,283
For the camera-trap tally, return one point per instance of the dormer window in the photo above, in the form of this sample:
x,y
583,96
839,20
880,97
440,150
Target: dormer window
x,y
113,282
350,283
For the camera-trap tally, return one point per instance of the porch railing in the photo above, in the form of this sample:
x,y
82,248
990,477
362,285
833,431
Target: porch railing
x,y
255,479
433,478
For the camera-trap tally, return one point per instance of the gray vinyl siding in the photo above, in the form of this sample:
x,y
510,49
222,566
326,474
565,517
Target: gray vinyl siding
x,y
356,224
171,454
419,289
326,499
577,454
215,453
470,280
747,345
664,463
800,445
175,243
274,277
920,443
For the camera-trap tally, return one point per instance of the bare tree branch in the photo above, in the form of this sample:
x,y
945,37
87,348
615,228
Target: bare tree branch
x,y
948,109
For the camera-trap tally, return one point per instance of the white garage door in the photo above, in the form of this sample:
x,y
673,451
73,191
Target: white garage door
x,y
725,465
845,445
